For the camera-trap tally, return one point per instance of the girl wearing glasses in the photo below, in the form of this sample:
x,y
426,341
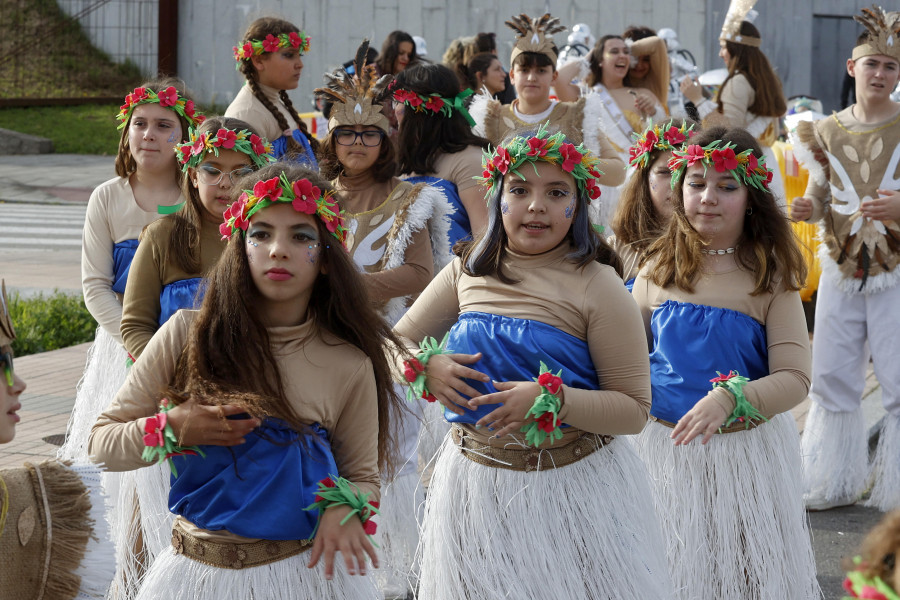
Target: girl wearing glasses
x,y
398,237
176,252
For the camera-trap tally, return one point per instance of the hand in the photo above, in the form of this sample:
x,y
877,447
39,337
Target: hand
x,y
884,208
691,89
198,424
705,418
644,102
516,397
801,209
349,539
444,378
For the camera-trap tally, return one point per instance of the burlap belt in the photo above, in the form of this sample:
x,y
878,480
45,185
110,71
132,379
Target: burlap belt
x,y
234,556
732,429
527,459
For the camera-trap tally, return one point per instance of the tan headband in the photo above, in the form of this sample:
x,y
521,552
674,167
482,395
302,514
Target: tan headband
x,y
746,40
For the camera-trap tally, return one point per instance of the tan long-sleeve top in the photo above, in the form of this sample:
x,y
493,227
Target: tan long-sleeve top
x,y
589,303
326,381
460,167
372,208
251,110
113,216
782,315
152,269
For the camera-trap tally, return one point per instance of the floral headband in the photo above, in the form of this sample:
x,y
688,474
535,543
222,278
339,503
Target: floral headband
x,y
578,161
303,196
745,167
192,152
167,98
297,40
436,103
667,138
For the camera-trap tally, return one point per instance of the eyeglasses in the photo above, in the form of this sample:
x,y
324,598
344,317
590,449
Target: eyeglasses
x,y
209,175
348,137
7,361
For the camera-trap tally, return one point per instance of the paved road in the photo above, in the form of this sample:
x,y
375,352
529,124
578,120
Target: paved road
x,y
41,226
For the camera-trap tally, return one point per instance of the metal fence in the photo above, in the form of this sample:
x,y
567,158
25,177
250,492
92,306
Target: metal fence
x,y
67,51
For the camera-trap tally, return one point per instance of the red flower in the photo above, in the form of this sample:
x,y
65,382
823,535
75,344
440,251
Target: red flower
x,y
694,154
720,378
724,160
267,189
369,527
319,499
189,109
247,50
429,397
752,163
257,144
409,372
434,104
225,230
651,139
168,96
486,174
225,138
674,136
848,587
199,145
237,52
634,152
414,100
870,593
571,157
593,189
546,423
136,96
295,39
306,195
374,504
327,482
270,44
502,160
550,381
769,175
154,430
537,147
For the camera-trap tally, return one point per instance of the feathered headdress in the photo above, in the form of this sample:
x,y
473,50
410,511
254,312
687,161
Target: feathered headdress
x,y
731,29
535,35
356,97
884,28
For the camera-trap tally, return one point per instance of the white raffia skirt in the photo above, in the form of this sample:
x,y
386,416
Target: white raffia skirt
x,y
582,531
176,576
732,513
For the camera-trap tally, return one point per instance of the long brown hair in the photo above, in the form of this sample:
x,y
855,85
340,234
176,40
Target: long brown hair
x,y
767,247
125,163
216,366
258,30
184,242
753,64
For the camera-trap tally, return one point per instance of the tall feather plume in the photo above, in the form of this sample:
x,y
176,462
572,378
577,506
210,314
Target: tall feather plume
x,y
356,98
883,28
520,24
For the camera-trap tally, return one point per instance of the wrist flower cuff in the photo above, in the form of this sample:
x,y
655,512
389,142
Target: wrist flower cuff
x,y
545,409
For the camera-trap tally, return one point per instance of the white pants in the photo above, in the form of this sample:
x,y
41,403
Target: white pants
x,y
848,328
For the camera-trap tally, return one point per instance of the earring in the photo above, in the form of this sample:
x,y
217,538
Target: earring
x,y
749,211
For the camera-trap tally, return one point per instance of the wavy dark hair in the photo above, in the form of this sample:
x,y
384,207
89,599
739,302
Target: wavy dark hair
x,y
425,135
477,65
595,58
390,50
767,247
216,367
258,30
184,243
384,168
530,60
125,163
484,255
753,64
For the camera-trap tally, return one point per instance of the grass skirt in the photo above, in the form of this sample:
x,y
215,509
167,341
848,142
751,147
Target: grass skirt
x,y
835,455
174,576
583,531
732,513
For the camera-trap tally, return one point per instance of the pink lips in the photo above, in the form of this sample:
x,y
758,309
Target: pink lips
x,y
12,412
278,274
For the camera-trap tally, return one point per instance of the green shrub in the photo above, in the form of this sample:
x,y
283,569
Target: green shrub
x,y
44,323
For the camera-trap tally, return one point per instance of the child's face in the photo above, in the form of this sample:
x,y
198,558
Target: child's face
x,y
659,179
715,205
356,156
876,76
279,70
533,83
213,180
284,250
152,135
9,396
538,211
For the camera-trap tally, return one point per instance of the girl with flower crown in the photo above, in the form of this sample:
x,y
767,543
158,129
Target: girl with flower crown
x,y
436,144
154,118
270,58
533,490
254,438
398,238
645,206
729,359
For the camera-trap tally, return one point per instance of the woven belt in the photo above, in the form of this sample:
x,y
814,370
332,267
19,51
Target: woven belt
x,y
731,429
234,556
527,459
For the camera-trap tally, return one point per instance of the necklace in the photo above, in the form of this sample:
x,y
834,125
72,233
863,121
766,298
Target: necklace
x,y
718,252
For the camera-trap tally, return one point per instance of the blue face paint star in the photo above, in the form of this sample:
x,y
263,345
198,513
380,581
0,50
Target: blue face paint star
x,y
504,207
570,209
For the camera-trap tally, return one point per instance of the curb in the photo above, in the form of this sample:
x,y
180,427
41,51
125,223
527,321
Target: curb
x,y
14,143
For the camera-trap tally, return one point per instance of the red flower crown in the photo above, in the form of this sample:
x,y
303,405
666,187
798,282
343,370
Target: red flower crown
x,y
435,103
167,98
667,137
271,43
745,167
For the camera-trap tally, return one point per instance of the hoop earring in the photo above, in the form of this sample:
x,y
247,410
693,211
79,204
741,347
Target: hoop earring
x,y
749,211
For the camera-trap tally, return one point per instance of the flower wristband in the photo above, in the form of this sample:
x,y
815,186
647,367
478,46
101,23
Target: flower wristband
x,y
545,409
743,412
336,491
414,369
160,442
